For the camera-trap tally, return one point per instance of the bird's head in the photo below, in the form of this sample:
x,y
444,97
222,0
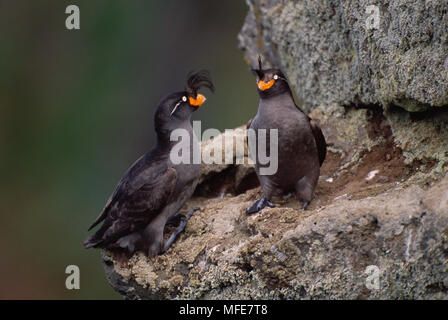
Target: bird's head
x,y
178,107
270,82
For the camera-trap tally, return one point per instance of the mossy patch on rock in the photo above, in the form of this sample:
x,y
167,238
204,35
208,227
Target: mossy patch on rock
x,y
331,56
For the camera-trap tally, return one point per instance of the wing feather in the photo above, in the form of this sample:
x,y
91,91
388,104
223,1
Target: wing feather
x,y
320,140
135,209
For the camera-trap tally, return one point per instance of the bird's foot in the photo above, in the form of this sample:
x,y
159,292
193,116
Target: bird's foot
x,y
259,204
305,205
179,230
175,220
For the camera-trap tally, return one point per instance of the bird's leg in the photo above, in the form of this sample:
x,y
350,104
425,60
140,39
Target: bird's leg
x,y
304,190
305,205
287,196
259,204
179,229
175,220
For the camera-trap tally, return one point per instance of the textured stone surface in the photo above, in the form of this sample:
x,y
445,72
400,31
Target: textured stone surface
x,y
396,220
353,132
330,56
285,253
382,196
231,170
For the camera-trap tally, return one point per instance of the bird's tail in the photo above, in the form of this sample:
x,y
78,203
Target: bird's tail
x,y
97,240
92,241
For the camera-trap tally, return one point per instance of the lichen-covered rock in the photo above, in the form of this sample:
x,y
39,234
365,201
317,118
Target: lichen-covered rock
x,y
287,253
226,166
330,55
381,204
421,143
373,207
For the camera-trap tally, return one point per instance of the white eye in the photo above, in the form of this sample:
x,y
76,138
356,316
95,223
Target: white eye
x,y
275,77
184,98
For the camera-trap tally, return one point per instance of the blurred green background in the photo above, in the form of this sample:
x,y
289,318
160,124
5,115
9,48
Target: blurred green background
x,y
77,110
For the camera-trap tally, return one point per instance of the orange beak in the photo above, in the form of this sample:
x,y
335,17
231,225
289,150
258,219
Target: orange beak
x,y
200,99
265,85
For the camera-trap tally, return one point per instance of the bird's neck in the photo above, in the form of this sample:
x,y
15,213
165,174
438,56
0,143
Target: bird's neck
x,y
275,103
168,135
275,91
163,140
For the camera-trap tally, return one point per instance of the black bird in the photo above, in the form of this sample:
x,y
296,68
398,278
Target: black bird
x,y
153,189
301,144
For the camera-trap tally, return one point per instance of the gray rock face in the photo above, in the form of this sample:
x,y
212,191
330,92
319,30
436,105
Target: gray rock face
x,y
283,253
331,53
378,225
374,211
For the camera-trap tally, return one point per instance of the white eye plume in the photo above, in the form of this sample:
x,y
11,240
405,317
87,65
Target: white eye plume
x,y
184,99
275,77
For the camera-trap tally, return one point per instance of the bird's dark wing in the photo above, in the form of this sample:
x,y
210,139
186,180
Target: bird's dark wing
x,y
150,196
133,210
140,207
121,187
135,177
318,136
106,209
320,140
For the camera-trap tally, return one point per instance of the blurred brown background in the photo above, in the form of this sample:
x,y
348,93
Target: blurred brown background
x,y
77,110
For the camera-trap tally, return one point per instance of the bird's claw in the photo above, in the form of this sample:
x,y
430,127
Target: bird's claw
x,y
259,204
179,230
175,220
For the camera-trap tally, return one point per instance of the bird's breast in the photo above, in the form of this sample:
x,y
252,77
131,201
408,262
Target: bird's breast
x,y
295,148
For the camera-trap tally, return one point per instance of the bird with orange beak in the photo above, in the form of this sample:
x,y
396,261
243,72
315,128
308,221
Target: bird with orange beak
x,y
154,189
301,144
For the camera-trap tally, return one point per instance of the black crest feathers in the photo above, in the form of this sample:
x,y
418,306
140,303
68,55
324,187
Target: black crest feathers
x,y
259,71
197,80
